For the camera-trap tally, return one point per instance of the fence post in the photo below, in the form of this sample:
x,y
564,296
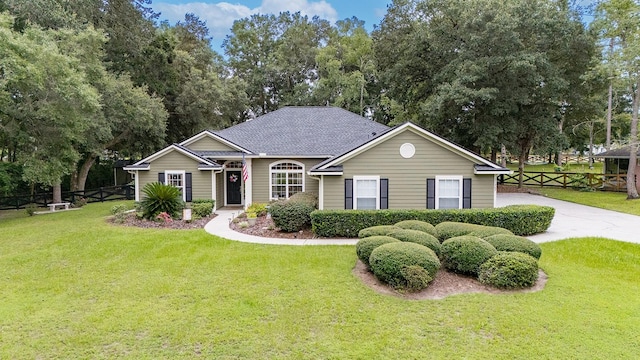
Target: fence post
x,y
128,192
101,195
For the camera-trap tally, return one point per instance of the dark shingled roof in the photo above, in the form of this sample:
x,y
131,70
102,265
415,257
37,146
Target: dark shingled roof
x,y
622,153
305,131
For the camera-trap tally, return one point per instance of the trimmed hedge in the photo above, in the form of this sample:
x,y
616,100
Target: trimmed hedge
x,y
519,219
465,254
417,225
376,231
418,237
291,216
509,270
450,229
515,243
202,209
365,246
389,262
487,231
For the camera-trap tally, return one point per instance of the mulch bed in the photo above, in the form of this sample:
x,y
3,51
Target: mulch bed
x,y
445,284
264,227
132,220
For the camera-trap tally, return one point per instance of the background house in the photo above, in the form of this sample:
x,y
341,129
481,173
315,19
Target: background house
x,y
347,160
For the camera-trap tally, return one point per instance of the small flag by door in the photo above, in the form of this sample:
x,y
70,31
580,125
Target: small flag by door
x,y
245,171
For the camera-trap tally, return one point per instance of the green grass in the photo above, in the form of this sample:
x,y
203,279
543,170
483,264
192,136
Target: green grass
x,y
572,167
609,200
74,286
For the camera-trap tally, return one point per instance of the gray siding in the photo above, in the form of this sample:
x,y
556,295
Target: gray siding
x,y
260,174
407,177
219,190
201,180
208,144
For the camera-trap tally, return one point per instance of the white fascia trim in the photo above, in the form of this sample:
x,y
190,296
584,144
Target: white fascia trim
x,y
215,137
495,172
355,188
399,129
328,173
169,149
136,168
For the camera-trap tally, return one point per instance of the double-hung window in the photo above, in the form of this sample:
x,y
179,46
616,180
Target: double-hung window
x,y
285,179
366,192
177,179
448,192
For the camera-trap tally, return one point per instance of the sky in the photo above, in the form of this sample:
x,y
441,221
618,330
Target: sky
x,y
220,15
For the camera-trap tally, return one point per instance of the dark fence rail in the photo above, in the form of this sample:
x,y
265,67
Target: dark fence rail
x,y
122,192
609,182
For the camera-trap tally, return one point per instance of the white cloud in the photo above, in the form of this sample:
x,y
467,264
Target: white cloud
x,y
220,16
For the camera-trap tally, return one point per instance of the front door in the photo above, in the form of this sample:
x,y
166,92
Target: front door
x,y
234,195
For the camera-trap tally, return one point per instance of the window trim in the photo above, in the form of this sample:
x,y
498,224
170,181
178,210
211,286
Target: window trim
x,y
183,188
272,171
356,178
460,189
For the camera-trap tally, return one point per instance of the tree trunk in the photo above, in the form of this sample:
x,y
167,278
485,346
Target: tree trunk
x,y
57,193
524,155
632,190
503,155
494,155
610,102
84,172
73,181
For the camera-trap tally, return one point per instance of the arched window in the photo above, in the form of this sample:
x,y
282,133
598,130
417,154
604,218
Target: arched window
x,y
286,178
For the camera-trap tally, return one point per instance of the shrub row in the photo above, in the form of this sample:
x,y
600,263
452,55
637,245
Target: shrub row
x,y
519,219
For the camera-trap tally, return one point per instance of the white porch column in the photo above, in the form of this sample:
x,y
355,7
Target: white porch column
x,y
214,189
321,193
248,185
136,179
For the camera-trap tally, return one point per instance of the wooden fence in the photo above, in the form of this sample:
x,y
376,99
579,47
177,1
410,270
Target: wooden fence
x,y
609,182
122,192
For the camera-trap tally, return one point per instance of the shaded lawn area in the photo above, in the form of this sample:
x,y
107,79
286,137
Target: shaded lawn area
x,y
610,200
74,286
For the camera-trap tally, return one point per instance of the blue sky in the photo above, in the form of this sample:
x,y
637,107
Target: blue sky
x,y
220,15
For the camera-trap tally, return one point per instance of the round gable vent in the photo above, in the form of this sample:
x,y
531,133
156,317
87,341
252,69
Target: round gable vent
x,y
407,150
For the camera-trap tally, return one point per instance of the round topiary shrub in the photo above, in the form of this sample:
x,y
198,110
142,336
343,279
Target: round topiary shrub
x,y
448,229
418,237
365,246
509,270
486,231
417,225
465,254
379,230
415,278
389,262
515,243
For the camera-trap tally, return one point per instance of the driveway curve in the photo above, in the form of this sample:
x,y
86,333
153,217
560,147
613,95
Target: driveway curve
x,y
575,220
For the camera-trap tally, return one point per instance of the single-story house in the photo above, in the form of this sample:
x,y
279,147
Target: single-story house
x,y
349,161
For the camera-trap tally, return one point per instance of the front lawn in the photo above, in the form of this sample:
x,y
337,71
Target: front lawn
x,y
74,286
610,200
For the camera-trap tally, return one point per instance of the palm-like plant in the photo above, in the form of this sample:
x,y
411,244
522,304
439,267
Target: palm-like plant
x,y
161,198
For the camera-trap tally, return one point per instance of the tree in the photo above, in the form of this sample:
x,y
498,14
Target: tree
x,y
619,21
485,72
346,68
46,102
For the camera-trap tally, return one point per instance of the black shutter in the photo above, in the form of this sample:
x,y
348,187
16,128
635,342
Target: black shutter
x,y
161,178
384,193
431,193
466,193
187,187
348,193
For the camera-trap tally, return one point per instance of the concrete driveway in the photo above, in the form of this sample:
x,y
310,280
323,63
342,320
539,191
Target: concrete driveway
x,y
574,220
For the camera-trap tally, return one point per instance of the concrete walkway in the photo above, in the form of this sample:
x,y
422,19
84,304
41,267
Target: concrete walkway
x,y
219,226
570,220
574,220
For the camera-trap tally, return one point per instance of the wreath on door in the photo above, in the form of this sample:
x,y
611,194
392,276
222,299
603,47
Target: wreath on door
x,y
233,178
